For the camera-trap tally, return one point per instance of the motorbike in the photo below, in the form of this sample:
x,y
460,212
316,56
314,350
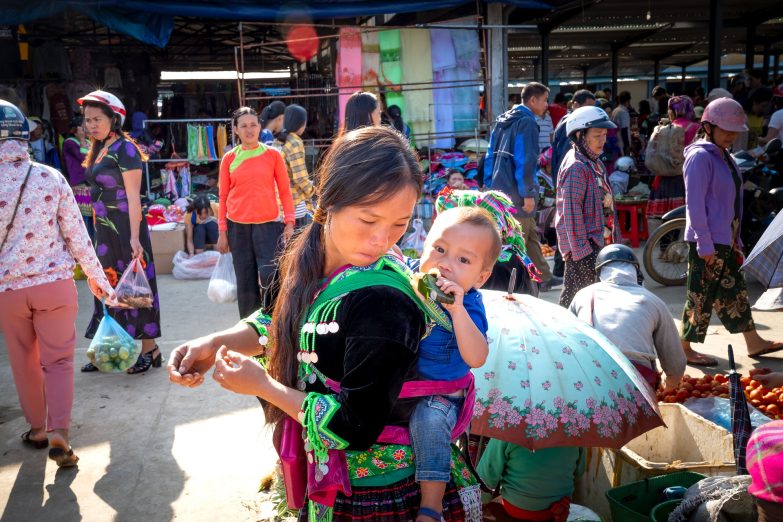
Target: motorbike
x,y
666,251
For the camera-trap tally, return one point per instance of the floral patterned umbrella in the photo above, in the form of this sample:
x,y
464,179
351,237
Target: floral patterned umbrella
x,y
553,380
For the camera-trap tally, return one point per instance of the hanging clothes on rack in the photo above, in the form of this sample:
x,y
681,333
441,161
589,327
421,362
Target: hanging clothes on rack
x,y
390,73
467,98
212,152
184,181
417,69
444,69
371,61
349,69
222,140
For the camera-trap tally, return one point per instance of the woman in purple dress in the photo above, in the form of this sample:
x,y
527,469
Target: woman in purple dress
x,y
113,169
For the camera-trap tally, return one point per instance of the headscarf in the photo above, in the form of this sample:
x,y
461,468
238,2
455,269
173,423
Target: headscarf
x,y
500,207
764,459
681,106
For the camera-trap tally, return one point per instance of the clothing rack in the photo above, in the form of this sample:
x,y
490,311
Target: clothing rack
x,y
145,123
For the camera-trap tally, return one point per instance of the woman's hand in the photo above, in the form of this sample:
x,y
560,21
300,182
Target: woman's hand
x,y
101,291
189,362
136,248
222,244
288,232
240,374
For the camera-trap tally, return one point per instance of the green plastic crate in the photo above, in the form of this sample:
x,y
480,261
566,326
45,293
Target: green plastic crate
x,y
661,512
633,502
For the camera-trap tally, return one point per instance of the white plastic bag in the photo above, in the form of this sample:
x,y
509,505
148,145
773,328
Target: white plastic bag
x,y
223,284
413,243
199,266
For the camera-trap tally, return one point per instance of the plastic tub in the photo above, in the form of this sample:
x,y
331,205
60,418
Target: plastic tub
x,y
634,502
689,442
661,512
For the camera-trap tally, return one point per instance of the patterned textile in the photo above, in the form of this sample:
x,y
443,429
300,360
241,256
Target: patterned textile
x,y
81,193
582,188
417,69
719,287
294,156
48,232
668,193
579,274
765,462
740,417
112,238
390,73
398,502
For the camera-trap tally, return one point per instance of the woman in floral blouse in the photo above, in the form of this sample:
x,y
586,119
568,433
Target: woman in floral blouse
x,y
42,236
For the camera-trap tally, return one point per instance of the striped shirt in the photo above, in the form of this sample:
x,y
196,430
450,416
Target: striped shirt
x,y
545,131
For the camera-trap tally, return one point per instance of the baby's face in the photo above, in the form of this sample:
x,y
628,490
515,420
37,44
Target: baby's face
x,y
459,251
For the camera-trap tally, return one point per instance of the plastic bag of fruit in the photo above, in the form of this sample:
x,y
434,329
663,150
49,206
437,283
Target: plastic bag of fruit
x,y
223,283
112,350
133,290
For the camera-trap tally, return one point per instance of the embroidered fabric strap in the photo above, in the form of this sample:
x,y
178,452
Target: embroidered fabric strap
x,y
318,410
260,322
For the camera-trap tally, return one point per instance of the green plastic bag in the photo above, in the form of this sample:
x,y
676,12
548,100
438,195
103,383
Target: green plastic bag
x,y
112,349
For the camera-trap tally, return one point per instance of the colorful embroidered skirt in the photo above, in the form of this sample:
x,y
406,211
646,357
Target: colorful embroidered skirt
x,y
667,193
81,194
398,502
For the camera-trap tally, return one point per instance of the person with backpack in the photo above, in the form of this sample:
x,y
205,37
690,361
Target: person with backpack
x,y
664,156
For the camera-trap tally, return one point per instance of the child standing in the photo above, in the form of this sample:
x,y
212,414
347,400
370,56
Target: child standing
x,y
462,245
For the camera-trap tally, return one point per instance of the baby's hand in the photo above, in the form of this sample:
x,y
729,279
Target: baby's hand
x,y
450,287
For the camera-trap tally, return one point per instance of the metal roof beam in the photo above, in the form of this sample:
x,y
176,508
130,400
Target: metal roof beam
x,y
755,17
566,13
638,37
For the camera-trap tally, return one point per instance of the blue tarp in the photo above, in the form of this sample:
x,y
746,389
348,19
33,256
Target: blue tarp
x,y
150,21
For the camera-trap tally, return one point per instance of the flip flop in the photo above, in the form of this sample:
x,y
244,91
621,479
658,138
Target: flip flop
x,y
704,361
64,459
37,444
772,348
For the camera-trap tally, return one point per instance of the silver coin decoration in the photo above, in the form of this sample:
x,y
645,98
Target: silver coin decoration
x,y
334,327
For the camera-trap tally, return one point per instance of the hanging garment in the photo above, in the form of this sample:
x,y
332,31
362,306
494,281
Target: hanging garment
x,y
371,61
183,177
417,69
112,78
390,73
466,99
211,143
170,187
192,143
444,66
349,65
222,140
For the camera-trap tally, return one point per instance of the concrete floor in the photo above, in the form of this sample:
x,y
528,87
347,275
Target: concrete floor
x,y
152,451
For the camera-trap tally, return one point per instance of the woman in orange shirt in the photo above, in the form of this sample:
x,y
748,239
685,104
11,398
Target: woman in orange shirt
x,y
252,177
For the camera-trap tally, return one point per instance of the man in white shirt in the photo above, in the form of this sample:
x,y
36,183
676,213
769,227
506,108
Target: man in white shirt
x,y
622,118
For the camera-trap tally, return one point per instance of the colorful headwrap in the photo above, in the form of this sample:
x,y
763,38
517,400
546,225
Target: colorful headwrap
x,y
500,207
764,459
681,106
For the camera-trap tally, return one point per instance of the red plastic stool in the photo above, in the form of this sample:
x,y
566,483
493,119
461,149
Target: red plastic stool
x,y
633,221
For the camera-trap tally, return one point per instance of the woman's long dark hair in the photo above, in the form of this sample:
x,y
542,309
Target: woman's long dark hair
x,y
272,111
395,114
363,166
116,128
359,109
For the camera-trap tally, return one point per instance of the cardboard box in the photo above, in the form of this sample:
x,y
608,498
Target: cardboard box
x,y
166,243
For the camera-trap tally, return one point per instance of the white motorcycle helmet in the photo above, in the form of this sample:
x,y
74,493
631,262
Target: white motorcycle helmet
x,y
625,164
587,118
108,99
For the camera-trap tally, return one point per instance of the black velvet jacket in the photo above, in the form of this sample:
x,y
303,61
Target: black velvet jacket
x,y
371,355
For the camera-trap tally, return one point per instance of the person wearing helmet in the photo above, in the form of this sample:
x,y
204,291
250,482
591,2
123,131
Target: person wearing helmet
x,y
624,167
113,169
585,214
668,191
713,198
633,318
42,237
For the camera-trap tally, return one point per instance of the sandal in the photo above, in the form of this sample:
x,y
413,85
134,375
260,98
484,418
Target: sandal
x,y
704,361
772,348
430,513
37,444
89,367
63,458
147,360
